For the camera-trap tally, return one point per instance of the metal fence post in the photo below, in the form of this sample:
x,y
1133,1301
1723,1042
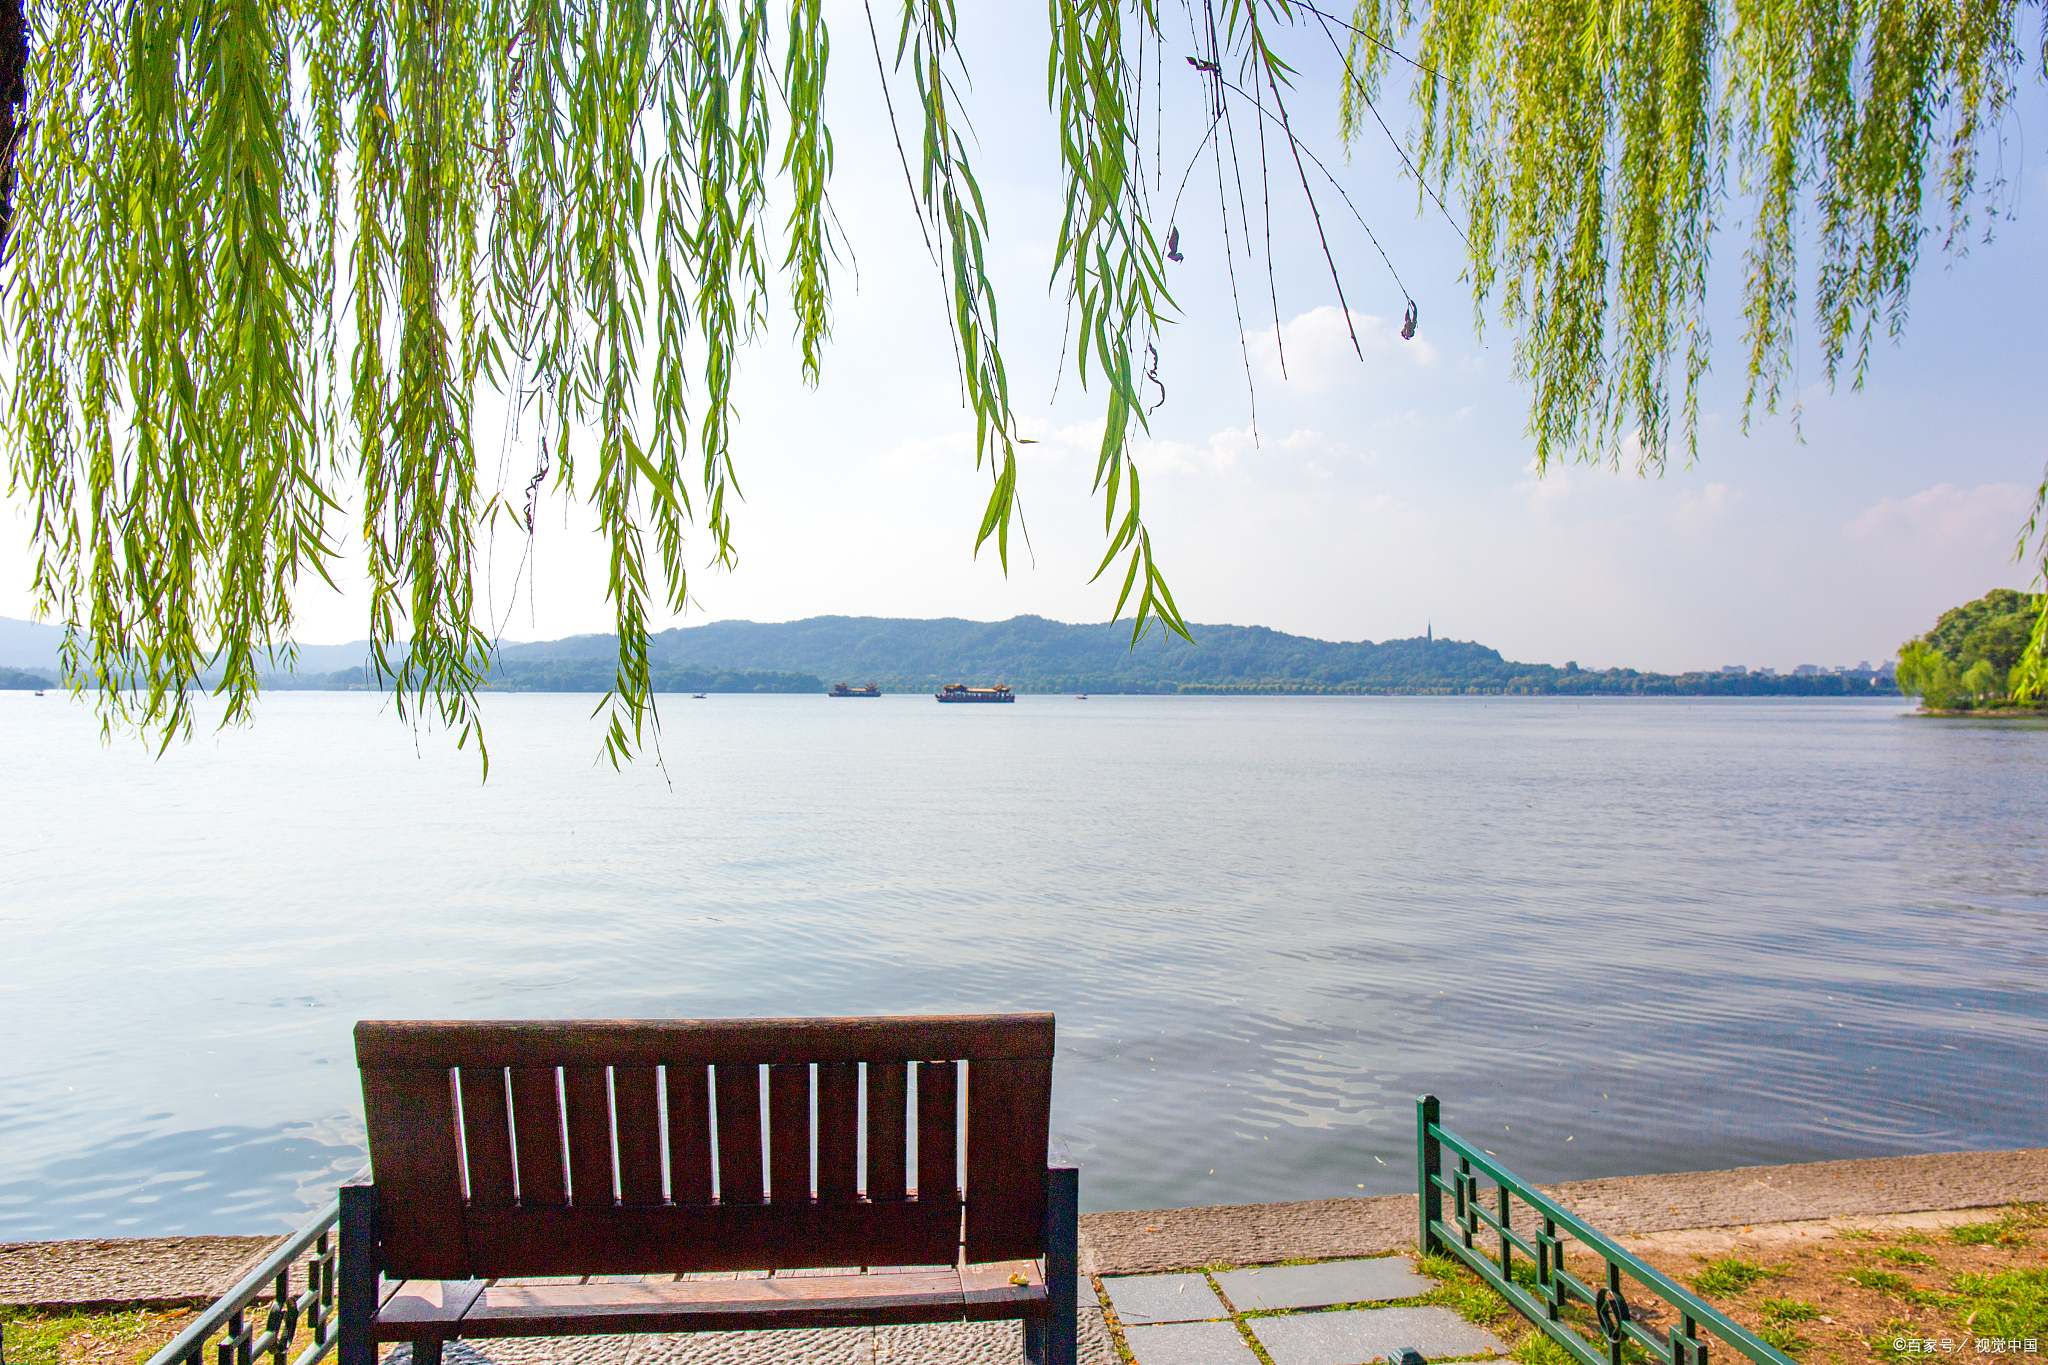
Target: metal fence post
x,y
1429,1164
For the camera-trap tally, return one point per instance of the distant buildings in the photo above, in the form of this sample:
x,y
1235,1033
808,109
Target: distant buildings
x,y
1862,671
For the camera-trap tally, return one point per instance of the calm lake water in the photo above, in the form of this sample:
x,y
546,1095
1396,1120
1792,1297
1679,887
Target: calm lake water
x,y
1615,936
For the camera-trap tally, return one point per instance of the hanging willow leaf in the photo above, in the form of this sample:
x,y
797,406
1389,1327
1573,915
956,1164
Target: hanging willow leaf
x,y
268,257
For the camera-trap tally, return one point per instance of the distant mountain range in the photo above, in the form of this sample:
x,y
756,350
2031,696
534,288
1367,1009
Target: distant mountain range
x,y
1030,653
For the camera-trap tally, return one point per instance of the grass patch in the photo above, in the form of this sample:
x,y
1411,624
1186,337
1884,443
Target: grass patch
x,y
1789,1310
1538,1349
1888,1344
1461,1291
2008,1229
1882,1282
2013,1303
1906,1256
1999,1232
1785,1337
1731,1275
67,1338
1897,1286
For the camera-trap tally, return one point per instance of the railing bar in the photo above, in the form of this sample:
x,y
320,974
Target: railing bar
x,y
189,1344
316,1350
1650,1278
1654,1344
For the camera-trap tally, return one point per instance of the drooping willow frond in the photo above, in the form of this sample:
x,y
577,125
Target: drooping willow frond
x,y
269,258
1597,146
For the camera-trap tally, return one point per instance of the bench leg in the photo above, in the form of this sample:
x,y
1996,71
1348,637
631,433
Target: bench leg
x,y
358,1307
426,1353
1055,1339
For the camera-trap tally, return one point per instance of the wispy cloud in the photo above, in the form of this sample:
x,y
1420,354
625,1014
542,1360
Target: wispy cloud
x,y
1319,356
1946,518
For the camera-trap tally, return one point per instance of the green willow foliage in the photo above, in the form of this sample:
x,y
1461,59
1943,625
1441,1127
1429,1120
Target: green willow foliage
x,y
1598,147
268,251
267,254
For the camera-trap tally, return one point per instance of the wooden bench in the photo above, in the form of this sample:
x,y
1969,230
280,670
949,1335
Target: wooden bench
x,y
564,1178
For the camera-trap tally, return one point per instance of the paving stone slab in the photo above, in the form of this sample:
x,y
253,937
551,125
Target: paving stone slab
x,y
1318,1286
1189,1343
1141,1300
1360,1336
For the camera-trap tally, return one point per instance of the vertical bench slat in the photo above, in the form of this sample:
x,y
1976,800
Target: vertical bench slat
x,y
739,1133
838,1131
639,1120
1009,1114
938,1130
689,1134
886,1123
789,1132
537,1119
590,1136
487,1137
410,1116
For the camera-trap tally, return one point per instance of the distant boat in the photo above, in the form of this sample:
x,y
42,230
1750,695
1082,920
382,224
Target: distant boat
x,y
696,696
962,692
842,690
39,691
1080,696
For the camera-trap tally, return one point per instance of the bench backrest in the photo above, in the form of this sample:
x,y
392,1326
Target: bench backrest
x,y
639,1147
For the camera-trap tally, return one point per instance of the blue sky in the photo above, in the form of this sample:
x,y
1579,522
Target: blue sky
x,y
1377,496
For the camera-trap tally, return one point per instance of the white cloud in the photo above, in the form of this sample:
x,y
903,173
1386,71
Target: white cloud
x,y
1699,510
1238,447
1946,518
1319,355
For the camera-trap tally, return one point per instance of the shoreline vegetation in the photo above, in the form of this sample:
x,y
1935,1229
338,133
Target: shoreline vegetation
x,y
1036,655
1974,662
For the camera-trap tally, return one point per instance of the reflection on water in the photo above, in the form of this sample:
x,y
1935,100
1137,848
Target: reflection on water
x,y
1615,936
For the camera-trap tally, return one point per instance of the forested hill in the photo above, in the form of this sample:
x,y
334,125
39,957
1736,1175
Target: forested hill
x,y
1031,651
1034,654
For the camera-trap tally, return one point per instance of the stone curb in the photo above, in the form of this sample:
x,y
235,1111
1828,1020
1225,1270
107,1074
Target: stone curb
x,y
126,1272
1150,1240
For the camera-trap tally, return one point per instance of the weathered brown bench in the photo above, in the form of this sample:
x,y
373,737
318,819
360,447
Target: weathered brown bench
x,y
564,1178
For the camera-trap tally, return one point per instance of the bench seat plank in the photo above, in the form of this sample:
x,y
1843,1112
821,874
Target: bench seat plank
x,y
574,1241
426,1310
993,1292
712,1305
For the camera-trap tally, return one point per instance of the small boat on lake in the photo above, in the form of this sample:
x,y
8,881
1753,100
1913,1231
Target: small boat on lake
x,y
696,696
843,690
962,692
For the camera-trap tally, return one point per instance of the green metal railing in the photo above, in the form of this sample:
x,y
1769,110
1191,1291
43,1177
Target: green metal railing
x,y
1556,1289
240,1343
